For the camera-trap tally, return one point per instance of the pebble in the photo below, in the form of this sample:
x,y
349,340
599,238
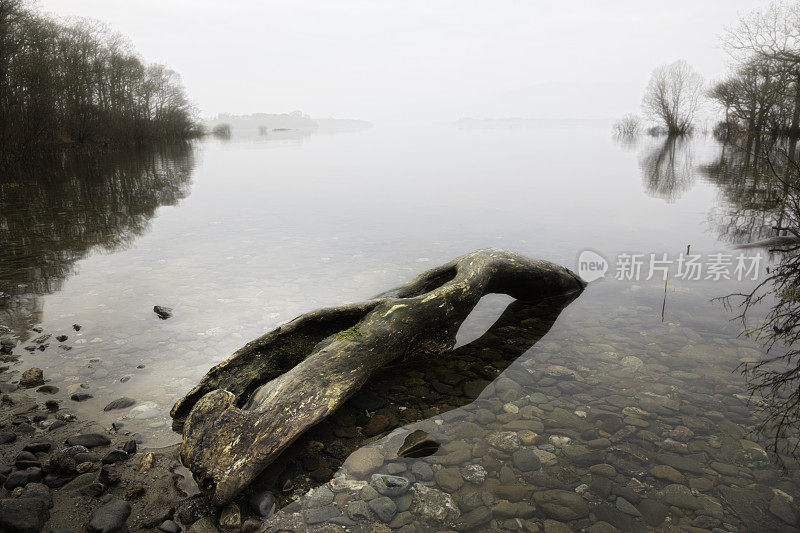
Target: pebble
x,y
81,397
680,496
603,469
377,424
364,461
114,456
561,504
319,497
32,378
108,475
109,518
21,478
231,517
23,515
263,503
383,507
120,403
163,313
528,438
507,441
432,504
627,507
89,440
168,526
449,479
504,509
422,471
632,362
392,486
473,473
526,460
667,472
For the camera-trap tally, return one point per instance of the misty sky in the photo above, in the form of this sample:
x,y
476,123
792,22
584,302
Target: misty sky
x,y
429,60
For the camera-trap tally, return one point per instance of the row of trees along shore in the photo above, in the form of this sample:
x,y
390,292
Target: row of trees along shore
x,y
760,95
77,82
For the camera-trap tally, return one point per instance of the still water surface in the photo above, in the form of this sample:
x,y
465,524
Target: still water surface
x,y
239,236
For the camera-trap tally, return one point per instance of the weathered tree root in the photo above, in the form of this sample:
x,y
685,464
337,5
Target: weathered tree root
x,y
248,409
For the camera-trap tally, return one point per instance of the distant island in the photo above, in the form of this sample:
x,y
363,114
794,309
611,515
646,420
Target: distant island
x,y
267,123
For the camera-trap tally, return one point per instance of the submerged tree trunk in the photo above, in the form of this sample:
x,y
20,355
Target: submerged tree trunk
x,y
248,409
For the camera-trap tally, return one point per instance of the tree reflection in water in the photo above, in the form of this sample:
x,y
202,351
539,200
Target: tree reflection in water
x,y
761,186
667,167
54,211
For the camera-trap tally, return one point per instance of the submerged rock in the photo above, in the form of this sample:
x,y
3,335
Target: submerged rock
x,y
418,444
473,473
120,403
377,424
364,461
162,312
526,460
561,504
507,441
680,496
383,507
393,486
81,397
433,505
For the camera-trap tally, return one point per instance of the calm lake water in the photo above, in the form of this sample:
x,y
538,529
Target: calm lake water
x,y
239,236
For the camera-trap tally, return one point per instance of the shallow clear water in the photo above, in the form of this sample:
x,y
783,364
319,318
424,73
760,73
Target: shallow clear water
x,y
240,236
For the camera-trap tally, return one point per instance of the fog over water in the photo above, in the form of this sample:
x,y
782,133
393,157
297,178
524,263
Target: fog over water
x,y
419,60
340,149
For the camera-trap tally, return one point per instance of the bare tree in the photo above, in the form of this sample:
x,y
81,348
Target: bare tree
x,y
629,124
765,48
673,96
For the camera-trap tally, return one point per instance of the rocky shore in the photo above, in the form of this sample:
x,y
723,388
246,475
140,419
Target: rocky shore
x,y
606,434
59,473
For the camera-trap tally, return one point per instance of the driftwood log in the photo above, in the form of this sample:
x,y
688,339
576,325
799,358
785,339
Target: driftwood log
x,y
249,408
